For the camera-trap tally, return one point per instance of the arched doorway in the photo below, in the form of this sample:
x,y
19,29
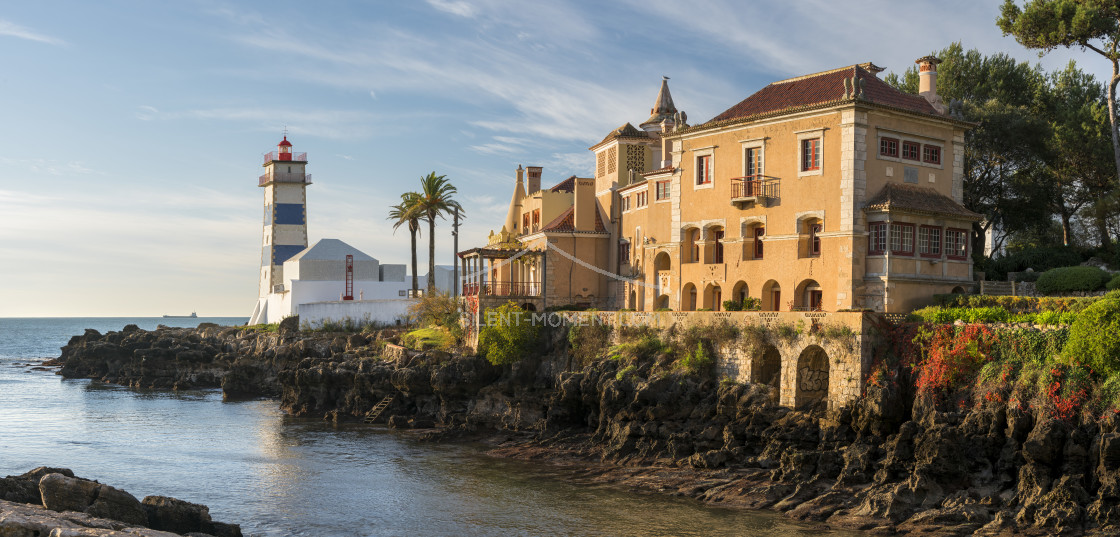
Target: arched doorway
x,y
739,291
688,297
633,300
713,297
766,368
958,290
661,276
812,376
809,295
662,302
771,296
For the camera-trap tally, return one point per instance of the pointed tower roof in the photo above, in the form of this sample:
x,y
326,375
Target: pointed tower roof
x,y
513,216
663,108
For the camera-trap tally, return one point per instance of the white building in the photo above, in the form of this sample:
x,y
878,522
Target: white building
x,y
328,281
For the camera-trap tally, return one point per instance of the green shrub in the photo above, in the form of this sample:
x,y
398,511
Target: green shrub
x,y
589,341
751,303
439,310
1114,283
507,335
1072,280
732,305
699,361
1094,338
626,371
427,338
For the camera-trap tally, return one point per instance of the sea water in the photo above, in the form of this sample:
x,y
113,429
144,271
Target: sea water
x,y
277,475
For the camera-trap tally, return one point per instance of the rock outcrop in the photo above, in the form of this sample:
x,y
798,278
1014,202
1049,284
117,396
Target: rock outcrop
x,y
881,463
52,501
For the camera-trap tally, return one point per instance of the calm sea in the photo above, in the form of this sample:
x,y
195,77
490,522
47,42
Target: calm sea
x,y
277,475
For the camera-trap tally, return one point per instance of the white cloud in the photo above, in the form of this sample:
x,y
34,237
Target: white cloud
x,y
454,7
14,30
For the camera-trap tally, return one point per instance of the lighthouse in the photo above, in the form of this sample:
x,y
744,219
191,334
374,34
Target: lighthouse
x,y
285,183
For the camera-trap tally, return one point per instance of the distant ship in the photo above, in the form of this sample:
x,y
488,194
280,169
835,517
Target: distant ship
x,y
193,315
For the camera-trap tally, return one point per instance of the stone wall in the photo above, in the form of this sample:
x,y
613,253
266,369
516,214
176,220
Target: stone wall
x,y
808,356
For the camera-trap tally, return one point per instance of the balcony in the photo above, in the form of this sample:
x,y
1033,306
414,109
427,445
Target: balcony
x,y
503,289
296,157
284,177
752,189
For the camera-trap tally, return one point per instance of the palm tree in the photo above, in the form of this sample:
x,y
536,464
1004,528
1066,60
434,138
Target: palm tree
x,y
436,201
408,211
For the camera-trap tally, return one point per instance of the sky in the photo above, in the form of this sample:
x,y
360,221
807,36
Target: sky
x,y
132,131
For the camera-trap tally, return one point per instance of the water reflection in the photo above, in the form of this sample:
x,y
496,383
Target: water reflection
x,y
282,476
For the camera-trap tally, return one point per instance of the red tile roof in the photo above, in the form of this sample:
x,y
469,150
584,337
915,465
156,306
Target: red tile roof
x,y
567,185
566,222
818,89
666,169
917,199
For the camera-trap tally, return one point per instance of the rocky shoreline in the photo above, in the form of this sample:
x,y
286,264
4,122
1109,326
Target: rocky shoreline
x,y
884,463
52,501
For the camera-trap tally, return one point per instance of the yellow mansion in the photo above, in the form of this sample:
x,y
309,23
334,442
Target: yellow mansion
x,y
828,191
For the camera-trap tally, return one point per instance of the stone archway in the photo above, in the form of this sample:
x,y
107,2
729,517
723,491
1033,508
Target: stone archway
x,y
958,290
766,368
812,377
662,302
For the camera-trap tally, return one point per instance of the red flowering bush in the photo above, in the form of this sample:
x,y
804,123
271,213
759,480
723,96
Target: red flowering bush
x,y
951,358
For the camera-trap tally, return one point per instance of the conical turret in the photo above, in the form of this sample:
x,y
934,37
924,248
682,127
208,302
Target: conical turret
x,y
663,109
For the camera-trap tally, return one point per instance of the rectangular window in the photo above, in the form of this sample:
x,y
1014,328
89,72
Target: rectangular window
x,y
902,239
624,252
956,245
810,154
642,197
625,201
717,248
931,154
663,190
929,241
536,219
525,223
814,240
888,147
910,150
704,170
878,239
759,232
753,158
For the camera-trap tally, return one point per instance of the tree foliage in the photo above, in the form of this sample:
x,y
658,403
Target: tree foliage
x,y
507,334
436,200
1090,25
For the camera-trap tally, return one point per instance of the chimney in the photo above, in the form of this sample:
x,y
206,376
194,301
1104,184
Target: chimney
x,y
927,82
534,183
585,205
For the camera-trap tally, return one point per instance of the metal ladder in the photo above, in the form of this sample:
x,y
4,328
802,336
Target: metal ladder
x,y
375,412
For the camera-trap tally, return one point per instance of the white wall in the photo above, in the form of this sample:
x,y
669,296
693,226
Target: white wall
x,y
385,312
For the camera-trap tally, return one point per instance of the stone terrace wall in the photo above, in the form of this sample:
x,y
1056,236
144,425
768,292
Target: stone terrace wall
x,y
817,356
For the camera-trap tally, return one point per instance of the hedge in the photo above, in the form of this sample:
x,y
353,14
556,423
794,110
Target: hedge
x,y
1072,280
1094,339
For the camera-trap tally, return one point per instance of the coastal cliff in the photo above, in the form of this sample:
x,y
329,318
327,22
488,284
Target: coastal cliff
x,y
883,462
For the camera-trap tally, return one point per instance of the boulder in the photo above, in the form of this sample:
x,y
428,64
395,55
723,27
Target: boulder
x,y
62,493
289,325
178,516
116,504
